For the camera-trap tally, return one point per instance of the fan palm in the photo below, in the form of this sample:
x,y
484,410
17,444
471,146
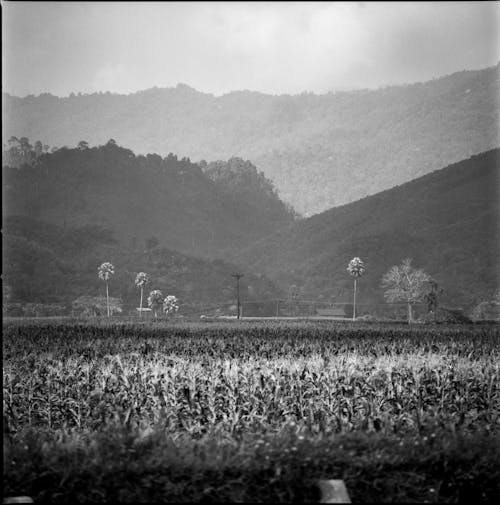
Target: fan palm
x,y
356,268
141,280
105,271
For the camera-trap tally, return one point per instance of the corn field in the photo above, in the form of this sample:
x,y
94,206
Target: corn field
x,y
230,381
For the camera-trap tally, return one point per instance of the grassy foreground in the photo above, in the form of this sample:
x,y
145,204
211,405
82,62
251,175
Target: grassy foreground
x,y
250,412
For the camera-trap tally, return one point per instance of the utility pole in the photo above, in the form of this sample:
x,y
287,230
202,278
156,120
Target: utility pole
x,y
238,277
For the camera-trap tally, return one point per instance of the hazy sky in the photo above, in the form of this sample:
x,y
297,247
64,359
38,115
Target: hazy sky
x,y
282,47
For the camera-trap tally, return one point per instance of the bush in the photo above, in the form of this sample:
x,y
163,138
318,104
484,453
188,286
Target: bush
x,y
486,311
12,309
91,306
445,316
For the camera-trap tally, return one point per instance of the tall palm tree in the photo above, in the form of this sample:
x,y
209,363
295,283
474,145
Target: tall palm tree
x,y
105,271
141,280
356,268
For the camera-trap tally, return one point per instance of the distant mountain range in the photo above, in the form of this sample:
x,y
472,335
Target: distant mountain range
x,y
448,221
320,151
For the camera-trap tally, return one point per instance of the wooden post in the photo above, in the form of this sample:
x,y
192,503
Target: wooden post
x,y
237,277
107,297
354,304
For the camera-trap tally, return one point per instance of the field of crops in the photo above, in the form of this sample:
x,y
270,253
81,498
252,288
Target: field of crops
x,y
250,411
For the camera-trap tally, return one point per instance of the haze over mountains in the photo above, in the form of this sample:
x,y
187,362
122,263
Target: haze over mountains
x,y
320,151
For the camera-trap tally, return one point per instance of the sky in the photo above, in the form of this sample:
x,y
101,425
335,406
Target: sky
x,y
218,47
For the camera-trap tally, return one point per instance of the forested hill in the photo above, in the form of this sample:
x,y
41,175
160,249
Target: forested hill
x,y
321,151
447,221
139,197
47,263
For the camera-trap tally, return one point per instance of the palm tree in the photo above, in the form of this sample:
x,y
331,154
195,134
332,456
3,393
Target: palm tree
x,y
140,281
105,271
356,268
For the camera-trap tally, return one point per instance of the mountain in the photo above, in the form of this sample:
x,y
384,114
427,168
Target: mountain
x,y
144,197
320,151
447,221
50,264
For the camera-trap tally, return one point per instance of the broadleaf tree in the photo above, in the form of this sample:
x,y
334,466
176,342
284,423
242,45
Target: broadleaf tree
x,y
155,301
403,283
170,305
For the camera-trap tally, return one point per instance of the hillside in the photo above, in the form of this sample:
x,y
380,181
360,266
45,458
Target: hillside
x,y
320,150
46,263
447,221
140,197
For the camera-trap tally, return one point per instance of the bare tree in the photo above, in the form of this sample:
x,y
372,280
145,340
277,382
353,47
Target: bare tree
x,y
405,283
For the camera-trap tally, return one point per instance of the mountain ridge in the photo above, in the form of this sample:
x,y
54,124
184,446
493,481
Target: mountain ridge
x,y
320,150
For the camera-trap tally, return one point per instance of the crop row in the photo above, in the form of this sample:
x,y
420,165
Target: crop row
x,y
251,379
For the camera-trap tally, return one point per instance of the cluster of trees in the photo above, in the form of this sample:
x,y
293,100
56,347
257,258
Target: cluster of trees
x,y
241,179
402,283
18,151
156,300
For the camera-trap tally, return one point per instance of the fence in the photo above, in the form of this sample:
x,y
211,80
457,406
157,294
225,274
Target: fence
x,y
281,308
313,308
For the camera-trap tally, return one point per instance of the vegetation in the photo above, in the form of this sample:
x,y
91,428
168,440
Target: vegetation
x,y
170,305
141,280
19,152
241,179
488,310
356,268
321,151
447,221
49,264
111,187
250,412
155,301
92,306
403,283
104,272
